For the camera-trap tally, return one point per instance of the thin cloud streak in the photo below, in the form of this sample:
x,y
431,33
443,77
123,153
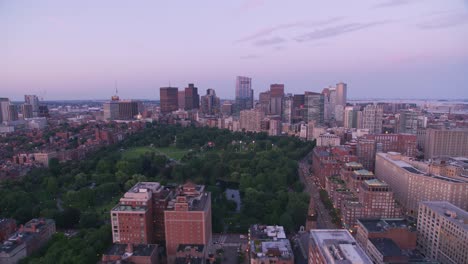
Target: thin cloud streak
x,y
337,30
269,30
270,41
249,57
392,3
444,21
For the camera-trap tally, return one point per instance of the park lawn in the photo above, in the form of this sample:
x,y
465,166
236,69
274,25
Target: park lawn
x,y
171,152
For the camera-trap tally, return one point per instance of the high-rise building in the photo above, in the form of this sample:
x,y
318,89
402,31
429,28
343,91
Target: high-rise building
x,y
341,94
264,100
169,99
210,103
298,107
32,100
181,99
287,115
250,120
350,117
314,105
188,219
139,216
111,110
372,117
192,99
129,109
329,103
244,93
27,111
4,109
335,246
276,99
445,142
12,112
412,185
410,121
443,232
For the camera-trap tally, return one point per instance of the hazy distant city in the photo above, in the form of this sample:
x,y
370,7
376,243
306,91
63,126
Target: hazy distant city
x,y
238,132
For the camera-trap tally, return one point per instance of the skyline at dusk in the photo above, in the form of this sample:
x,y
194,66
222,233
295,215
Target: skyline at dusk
x,y
381,48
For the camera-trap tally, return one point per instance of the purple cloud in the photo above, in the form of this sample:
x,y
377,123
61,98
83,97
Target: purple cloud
x,y
444,21
269,41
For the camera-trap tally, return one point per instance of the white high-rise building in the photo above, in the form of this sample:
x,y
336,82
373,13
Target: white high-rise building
x,y
372,118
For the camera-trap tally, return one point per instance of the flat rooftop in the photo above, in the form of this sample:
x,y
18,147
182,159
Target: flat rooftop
x,y
338,246
363,172
386,247
450,212
382,225
184,247
138,250
267,232
129,208
375,183
143,186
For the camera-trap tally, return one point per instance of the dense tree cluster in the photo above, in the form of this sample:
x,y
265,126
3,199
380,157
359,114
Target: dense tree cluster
x,y
79,194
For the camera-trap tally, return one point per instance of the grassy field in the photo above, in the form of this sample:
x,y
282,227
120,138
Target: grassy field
x,y
171,152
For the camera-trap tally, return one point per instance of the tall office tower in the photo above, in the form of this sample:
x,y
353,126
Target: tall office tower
x,y
210,103
111,110
298,106
139,215
264,100
313,102
188,219
372,117
227,109
128,109
335,246
181,99
192,99
250,120
350,117
287,115
276,99
168,99
244,93
32,100
445,142
12,112
341,94
412,185
409,121
329,103
4,105
27,111
443,232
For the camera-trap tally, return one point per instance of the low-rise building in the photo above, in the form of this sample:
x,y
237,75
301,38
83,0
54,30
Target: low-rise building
x,y
268,244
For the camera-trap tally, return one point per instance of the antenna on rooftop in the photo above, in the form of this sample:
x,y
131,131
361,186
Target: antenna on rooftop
x,y
115,85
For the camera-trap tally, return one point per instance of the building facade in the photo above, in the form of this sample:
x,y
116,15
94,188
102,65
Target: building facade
x,y
169,99
244,93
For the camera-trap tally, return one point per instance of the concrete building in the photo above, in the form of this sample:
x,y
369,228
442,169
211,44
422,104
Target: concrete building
x,y
187,218
314,105
276,99
412,186
371,118
445,142
244,93
210,103
130,253
250,120
334,246
350,117
192,99
169,99
268,244
287,115
27,111
328,140
443,232
33,100
181,99
28,239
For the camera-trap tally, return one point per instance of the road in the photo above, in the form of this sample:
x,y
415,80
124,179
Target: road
x,y
310,183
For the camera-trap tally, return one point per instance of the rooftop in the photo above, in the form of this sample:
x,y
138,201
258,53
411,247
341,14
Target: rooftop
x,y
185,247
375,183
450,212
338,246
129,208
267,232
386,247
382,225
354,164
363,172
138,250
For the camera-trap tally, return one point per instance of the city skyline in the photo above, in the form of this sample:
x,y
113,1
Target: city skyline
x,y
379,48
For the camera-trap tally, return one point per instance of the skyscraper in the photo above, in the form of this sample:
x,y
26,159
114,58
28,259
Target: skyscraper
x,y
4,105
372,117
192,99
168,99
276,99
351,117
314,105
181,99
32,100
210,103
341,94
244,93
287,108
27,110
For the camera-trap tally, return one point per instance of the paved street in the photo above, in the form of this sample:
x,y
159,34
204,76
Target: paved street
x,y
307,178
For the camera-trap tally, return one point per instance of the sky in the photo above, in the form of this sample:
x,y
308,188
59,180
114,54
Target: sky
x,y
380,48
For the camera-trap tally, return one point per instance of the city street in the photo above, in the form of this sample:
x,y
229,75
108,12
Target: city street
x,y
307,178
